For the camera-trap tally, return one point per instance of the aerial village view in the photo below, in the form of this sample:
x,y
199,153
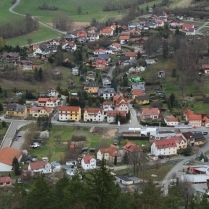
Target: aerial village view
x,y
104,104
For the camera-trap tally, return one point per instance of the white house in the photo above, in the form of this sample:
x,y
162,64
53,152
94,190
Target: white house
x,y
111,115
52,103
164,147
190,32
88,162
40,167
75,71
116,46
42,50
7,155
150,61
52,93
93,114
122,105
171,121
56,166
109,154
106,93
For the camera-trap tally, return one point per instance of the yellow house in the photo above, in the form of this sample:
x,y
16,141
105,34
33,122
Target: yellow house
x,y
91,88
142,100
16,110
40,111
67,113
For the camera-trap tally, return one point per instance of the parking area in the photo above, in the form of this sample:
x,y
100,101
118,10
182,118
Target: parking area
x,y
19,140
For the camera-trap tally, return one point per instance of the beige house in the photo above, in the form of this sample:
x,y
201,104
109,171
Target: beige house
x,y
40,111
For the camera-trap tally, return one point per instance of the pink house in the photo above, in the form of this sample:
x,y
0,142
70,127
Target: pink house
x,y
150,113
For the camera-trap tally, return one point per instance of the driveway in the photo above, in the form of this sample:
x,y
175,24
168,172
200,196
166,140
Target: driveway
x,y
19,143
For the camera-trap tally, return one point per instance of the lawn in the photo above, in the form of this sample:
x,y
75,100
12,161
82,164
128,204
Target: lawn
x,y
59,140
3,130
90,9
160,173
203,30
42,34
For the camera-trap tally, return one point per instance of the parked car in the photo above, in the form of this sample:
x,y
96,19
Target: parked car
x,y
204,133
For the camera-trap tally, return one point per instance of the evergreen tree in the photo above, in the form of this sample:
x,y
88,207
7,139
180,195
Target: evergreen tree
x,y
147,9
16,167
165,49
177,32
0,89
172,99
3,124
40,196
173,72
1,107
102,191
36,74
40,74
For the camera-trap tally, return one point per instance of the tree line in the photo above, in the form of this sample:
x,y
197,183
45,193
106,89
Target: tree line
x,y
18,26
45,6
97,189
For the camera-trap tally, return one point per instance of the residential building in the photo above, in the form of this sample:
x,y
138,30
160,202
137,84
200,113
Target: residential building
x,y
122,105
152,113
107,105
100,64
81,34
109,154
7,155
5,181
189,137
11,57
48,102
112,114
108,31
105,57
88,162
205,67
116,46
171,121
106,93
25,65
52,93
42,50
124,39
131,55
199,139
99,51
190,32
40,111
130,147
187,26
142,100
69,113
91,87
106,82
136,92
164,147
16,110
40,167
93,114
140,85
193,119
75,71
150,61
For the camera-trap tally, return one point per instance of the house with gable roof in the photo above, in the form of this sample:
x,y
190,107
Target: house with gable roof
x,y
106,93
48,102
5,181
42,50
108,31
81,34
130,147
124,39
153,113
40,167
116,46
164,147
205,67
109,154
107,105
122,105
112,114
101,64
16,110
7,154
52,92
88,162
40,111
93,114
69,113
99,51
193,119
171,120
131,55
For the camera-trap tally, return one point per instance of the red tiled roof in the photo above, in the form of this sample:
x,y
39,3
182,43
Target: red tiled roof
x,y
130,147
46,99
113,151
99,50
7,155
5,179
172,119
187,26
116,97
36,109
165,143
124,37
116,44
87,159
107,103
100,62
37,165
106,30
130,54
91,110
137,92
150,111
205,66
69,108
113,113
192,116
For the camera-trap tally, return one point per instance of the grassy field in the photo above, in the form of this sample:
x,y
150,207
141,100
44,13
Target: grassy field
x,y
147,174
42,34
203,30
59,146
3,130
90,9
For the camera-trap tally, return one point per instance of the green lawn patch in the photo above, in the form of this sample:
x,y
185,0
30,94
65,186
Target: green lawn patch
x,y
42,34
3,130
203,30
4,11
60,138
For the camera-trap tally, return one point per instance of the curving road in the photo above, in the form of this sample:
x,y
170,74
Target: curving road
x,y
41,23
